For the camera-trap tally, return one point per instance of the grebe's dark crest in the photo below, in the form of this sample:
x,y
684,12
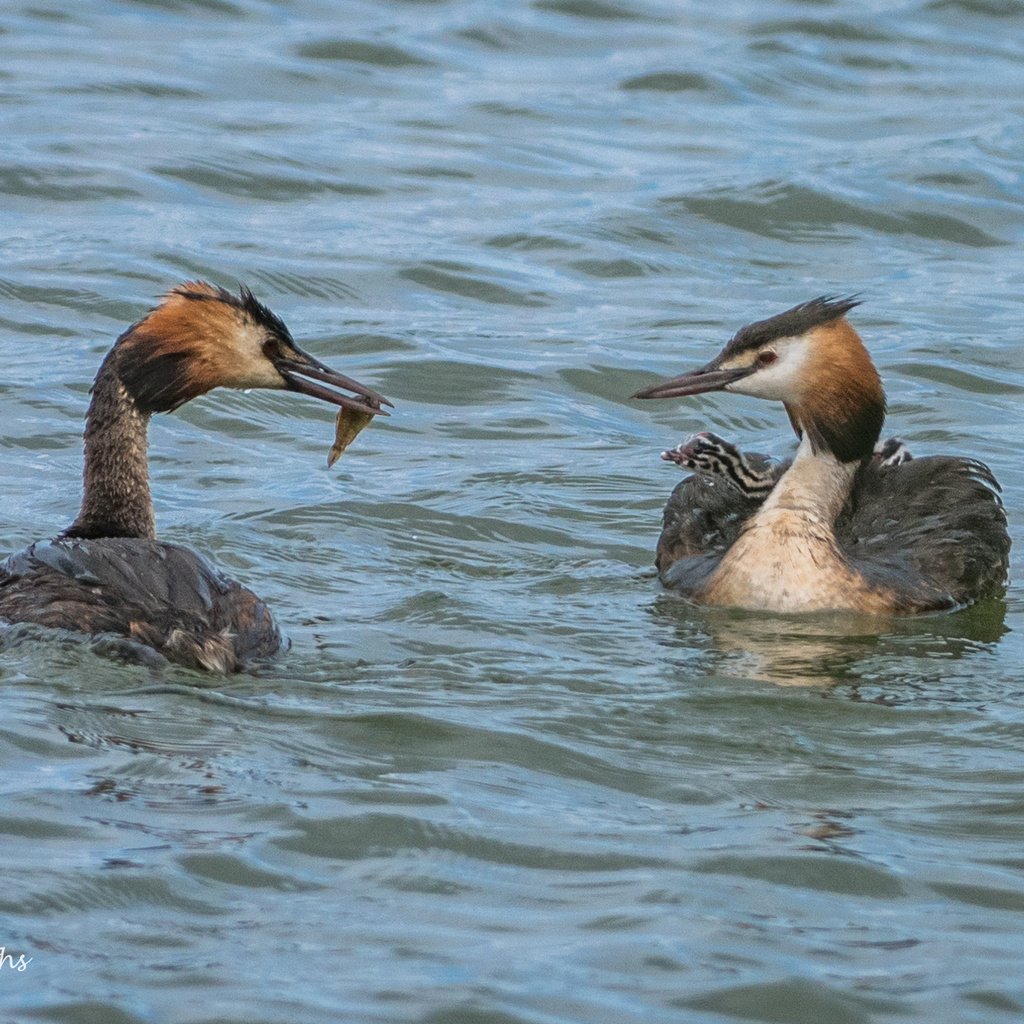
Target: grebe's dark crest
x,y
107,573
849,524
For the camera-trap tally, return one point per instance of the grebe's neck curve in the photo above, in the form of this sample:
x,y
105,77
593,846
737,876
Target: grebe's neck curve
x,y
787,557
815,486
116,500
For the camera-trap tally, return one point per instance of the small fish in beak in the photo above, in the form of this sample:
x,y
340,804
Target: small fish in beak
x,y
301,370
349,423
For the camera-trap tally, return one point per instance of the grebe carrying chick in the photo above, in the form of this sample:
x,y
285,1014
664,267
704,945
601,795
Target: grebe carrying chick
x,y
107,573
846,526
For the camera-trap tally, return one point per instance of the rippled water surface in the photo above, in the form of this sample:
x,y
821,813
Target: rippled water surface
x,y
501,777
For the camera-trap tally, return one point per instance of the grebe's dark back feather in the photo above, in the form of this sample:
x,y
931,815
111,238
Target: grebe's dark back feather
x,y
161,595
924,529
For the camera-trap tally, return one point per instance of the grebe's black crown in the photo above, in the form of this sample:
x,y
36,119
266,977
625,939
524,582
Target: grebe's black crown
x,y
792,323
265,317
246,303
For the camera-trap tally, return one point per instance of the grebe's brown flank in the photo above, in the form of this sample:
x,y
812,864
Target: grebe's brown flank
x,y
844,526
107,572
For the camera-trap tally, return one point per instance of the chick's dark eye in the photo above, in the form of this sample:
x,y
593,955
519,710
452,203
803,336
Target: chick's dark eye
x,y
271,349
766,358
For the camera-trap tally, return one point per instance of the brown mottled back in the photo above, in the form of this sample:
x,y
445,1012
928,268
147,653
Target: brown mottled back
x,y
160,595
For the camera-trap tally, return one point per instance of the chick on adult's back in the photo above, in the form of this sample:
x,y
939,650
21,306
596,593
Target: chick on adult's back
x,y
838,529
107,572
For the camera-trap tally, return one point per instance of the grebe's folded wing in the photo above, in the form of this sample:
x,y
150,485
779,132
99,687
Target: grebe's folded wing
x,y
162,595
932,529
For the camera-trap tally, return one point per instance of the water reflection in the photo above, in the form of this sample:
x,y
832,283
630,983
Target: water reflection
x,y
824,650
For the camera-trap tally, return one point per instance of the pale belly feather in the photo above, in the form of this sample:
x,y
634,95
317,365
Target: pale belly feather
x,y
789,562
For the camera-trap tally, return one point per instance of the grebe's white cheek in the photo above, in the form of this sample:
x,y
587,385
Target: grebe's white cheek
x,y
778,381
760,384
245,365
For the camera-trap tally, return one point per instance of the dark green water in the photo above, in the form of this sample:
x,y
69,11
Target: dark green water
x,y
501,778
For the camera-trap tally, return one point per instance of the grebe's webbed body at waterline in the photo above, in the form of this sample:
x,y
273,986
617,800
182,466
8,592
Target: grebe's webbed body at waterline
x,y
107,573
846,525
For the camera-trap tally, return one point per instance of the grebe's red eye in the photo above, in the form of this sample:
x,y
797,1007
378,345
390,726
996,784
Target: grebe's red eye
x,y
766,358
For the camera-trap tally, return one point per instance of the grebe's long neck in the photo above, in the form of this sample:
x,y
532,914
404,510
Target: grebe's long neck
x,y
814,488
787,558
116,500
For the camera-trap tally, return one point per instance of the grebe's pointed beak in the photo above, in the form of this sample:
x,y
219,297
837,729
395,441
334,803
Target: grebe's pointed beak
x,y
301,370
708,378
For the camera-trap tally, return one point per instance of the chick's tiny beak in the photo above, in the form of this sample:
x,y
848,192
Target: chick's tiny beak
x,y
300,371
708,378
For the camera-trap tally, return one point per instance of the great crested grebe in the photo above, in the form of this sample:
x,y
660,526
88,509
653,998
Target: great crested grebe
x,y
107,572
844,527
